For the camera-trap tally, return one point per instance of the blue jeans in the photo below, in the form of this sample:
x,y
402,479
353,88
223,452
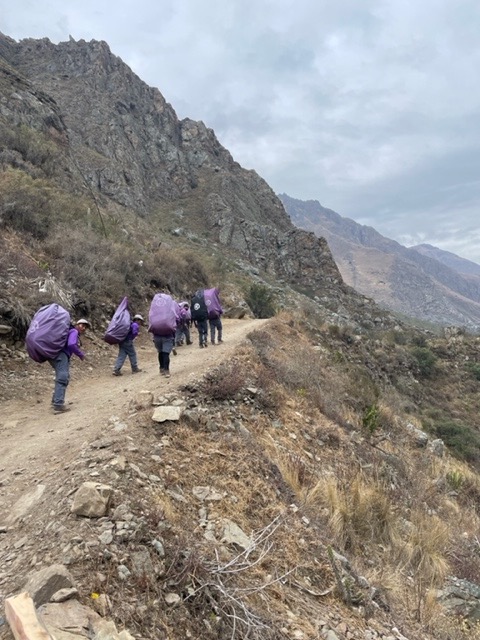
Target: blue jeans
x,y
215,323
126,348
61,365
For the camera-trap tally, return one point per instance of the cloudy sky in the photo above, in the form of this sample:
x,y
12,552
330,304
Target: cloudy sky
x,y
371,107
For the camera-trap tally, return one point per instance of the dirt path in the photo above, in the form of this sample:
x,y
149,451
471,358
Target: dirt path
x,y
33,441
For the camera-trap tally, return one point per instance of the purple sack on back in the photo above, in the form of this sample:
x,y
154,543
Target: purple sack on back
x,y
185,314
163,315
212,301
119,325
48,332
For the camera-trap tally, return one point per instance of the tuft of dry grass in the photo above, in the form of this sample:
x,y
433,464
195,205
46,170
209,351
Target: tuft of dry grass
x,y
423,555
359,513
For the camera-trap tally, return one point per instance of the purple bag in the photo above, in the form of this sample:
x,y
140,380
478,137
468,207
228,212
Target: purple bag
x,y
185,311
212,301
119,325
163,315
48,332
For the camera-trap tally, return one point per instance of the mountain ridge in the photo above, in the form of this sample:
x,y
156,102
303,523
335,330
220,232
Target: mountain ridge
x,y
122,144
407,280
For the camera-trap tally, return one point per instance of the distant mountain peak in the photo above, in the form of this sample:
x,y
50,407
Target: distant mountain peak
x,y
422,282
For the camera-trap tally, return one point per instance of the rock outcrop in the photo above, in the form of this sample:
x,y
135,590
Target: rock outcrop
x,y
122,141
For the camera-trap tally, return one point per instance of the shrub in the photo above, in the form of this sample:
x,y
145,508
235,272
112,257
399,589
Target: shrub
x,y
370,419
425,361
341,332
474,369
114,266
224,382
461,439
423,556
25,203
32,145
261,301
34,205
455,479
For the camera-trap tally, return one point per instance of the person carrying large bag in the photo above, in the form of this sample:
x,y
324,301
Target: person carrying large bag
x,y
163,319
52,338
215,311
199,313
123,331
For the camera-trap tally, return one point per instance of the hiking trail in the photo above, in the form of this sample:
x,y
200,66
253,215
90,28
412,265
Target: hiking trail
x,y
34,440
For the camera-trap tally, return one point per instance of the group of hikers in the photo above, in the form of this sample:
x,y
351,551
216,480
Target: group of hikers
x,y
53,338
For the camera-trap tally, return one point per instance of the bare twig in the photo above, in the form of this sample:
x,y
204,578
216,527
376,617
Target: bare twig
x,y
228,600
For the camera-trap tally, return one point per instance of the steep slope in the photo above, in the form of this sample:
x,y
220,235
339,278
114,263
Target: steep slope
x,y
124,146
268,507
412,282
465,267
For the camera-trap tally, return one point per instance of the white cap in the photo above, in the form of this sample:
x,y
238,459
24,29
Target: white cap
x,y
83,321
138,316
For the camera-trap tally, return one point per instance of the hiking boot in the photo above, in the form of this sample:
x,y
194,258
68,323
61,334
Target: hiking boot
x,y
174,351
117,373
167,374
190,342
201,345
213,341
60,408
220,340
137,370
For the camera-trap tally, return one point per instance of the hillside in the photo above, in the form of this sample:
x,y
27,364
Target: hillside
x,y
290,443
415,282
316,476
467,267
121,177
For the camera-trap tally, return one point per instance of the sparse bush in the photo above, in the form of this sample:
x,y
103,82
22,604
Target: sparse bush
x,y
36,206
261,301
224,382
474,369
100,269
30,205
32,145
419,340
341,332
462,440
370,419
399,337
425,361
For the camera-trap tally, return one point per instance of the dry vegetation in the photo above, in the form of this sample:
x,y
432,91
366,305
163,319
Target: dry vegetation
x,y
316,459
306,478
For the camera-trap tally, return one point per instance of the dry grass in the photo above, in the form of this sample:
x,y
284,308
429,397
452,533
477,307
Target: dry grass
x,y
423,556
359,512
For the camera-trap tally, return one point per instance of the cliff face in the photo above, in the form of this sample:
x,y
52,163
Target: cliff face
x,y
125,142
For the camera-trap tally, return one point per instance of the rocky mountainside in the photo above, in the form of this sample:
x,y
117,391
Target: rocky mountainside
x,y
414,281
123,144
466,267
